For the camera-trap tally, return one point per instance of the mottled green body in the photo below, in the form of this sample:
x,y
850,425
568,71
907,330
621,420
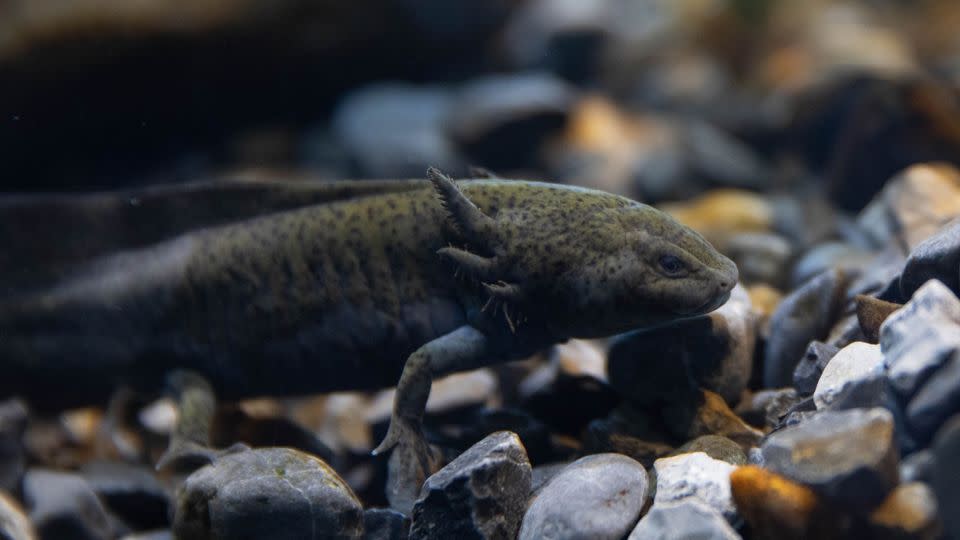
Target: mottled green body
x,y
336,296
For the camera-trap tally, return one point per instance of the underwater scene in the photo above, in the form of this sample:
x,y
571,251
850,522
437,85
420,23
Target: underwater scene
x,y
485,269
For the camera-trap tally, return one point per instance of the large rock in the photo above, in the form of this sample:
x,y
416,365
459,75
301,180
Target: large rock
x,y
686,519
853,378
937,257
805,315
920,337
672,363
698,477
850,457
62,505
13,460
267,493
14,524
480,494
599,496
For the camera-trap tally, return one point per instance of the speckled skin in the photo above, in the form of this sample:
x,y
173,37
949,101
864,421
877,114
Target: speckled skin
x,y
337,296
398,287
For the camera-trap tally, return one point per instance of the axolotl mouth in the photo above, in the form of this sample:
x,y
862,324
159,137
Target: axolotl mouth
x,y
708,306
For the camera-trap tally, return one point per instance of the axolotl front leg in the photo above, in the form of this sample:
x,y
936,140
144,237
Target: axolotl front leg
x,y
412,459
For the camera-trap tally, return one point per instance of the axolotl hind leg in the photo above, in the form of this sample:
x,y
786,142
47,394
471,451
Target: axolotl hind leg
x,y
412,459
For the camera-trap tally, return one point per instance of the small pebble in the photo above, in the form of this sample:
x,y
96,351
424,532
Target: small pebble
x,y
807,373
853,378
688,519
385,524
480,494
695,476
779,509
598,496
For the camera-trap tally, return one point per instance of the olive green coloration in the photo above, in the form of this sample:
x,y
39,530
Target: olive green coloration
x,y
427,278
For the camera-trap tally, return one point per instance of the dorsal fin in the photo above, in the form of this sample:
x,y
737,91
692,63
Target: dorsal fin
x,y
44,235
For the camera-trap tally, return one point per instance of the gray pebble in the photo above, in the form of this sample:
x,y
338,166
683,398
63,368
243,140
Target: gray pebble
x,y
480,494
689,519
276,493
807,373
385,524
598,496
936,400
805,315
698,477
920,337
848,456
853,378
62,505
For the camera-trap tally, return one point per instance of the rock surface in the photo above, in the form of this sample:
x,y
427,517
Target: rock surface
x,y
946,474
850,457
133,493
385,524
62,505
687,519
480,494
853,378
777,508
267,492
910,511
598,496
807,373
805,315
697,477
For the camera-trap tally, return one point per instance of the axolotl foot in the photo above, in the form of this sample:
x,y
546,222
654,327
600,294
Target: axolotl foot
x,y
411,461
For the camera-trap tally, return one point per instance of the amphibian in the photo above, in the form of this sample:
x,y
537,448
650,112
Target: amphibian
x,y
407,285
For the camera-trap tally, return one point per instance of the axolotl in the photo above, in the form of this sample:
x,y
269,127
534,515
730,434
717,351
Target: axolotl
x,y
399,287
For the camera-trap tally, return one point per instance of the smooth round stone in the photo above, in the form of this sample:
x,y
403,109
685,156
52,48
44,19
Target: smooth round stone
x,y
277,493
805,315
848,456
480,494
385,524
598,496
855,377
698,477
687,519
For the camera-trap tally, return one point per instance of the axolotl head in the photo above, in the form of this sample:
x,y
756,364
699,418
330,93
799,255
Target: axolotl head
x,y
585,263
634,266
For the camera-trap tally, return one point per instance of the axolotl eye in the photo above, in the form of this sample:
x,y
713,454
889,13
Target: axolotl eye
x,y
672,265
